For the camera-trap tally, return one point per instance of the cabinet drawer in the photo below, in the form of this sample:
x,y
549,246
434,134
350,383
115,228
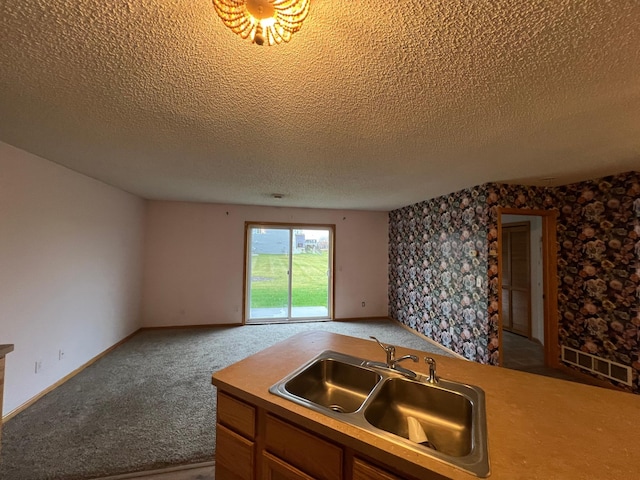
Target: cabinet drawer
x,y
363,470
237,415
275,469
314,456
235,457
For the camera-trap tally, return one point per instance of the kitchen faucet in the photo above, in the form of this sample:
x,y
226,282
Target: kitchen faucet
x,y
392,361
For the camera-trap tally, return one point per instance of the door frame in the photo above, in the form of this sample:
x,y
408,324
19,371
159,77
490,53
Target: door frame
x,y
550,280
302,226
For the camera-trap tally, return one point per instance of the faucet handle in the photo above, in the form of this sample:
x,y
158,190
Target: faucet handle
x,y
390,350
384,347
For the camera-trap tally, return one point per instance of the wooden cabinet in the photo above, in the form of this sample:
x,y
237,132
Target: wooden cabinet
x,y
274,468
235,435
235,455
303,450
363,470
254,444
237,415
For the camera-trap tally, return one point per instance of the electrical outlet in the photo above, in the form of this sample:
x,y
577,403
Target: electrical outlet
x,y
363,304
38,366
60,354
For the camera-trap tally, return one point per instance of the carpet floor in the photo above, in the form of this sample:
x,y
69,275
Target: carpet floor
x,y
149,403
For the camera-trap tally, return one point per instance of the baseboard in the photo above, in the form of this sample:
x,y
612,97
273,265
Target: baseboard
x,y
360,319
33,400
431,341
277,321
265,322
201,325
315,320
160,471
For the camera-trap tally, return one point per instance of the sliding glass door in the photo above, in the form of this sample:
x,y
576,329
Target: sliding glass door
x,y
288,272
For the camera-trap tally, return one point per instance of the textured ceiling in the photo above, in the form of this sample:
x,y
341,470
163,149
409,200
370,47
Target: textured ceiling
x,y
372,105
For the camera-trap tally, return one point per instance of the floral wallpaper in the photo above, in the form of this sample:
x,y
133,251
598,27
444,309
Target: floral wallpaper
x,y
443,266
599,269
438,271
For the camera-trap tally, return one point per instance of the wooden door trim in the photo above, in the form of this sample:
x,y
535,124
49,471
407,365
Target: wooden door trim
x,y
549,274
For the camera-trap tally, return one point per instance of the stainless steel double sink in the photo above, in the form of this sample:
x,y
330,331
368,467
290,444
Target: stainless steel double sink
x,y
381,400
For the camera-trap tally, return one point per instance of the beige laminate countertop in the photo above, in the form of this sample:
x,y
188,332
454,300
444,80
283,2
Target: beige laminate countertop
x,y
538,427
4,349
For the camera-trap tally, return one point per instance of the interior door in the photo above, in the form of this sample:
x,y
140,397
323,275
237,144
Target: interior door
x,y
516,278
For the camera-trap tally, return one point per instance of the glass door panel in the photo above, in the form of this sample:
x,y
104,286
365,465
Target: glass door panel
x,y
310,274
268,273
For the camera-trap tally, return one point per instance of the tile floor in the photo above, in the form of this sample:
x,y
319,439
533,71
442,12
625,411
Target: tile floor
x,y
526,355
520,353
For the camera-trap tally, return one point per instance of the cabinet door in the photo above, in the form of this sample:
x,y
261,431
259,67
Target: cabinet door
x,y
234,455
308,452
363,470
275,469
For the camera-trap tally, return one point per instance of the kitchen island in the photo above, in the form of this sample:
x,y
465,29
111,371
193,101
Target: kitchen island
x,y
538,427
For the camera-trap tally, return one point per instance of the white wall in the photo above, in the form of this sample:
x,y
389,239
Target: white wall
x,y
537,290
70,270
194,259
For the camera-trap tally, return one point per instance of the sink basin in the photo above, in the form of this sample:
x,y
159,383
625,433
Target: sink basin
x,y
445,416
334,384
380,400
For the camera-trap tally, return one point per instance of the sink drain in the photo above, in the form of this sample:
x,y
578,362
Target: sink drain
x,y
336,408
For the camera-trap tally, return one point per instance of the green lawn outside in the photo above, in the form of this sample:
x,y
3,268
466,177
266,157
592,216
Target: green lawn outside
x,y
270,283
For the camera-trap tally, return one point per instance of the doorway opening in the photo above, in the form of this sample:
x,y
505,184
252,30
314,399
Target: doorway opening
x,y
522,277
528,326
288,272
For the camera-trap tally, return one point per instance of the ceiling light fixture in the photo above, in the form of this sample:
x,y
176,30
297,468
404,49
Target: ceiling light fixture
x,y
263,21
